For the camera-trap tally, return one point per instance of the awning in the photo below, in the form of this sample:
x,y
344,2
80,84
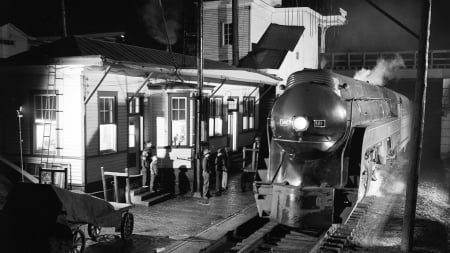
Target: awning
x,y
237,76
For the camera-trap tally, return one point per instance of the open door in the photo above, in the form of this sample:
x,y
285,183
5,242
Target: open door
x,y
135,141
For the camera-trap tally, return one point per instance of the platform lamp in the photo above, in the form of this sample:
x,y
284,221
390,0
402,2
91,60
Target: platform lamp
x,y
19,117
232,105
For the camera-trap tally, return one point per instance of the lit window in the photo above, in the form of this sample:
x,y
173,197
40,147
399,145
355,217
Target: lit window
x,y
248,113
108,124
134,105
215,116
45,121
179,121
227,34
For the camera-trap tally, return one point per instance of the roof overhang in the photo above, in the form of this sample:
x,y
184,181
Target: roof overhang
x,y
236,76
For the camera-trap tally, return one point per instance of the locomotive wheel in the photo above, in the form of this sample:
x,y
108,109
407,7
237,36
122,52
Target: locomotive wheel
x,y
126,227
78,241
94,231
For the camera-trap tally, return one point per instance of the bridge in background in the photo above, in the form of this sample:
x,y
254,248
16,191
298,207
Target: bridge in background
x,y
438,112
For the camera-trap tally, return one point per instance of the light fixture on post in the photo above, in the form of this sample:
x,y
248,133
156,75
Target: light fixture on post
x,y
232,105
19,117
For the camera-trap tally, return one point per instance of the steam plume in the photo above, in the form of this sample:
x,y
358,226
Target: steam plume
x,y
384,70
153,20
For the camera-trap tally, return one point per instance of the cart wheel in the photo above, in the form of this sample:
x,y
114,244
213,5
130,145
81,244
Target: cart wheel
x,y
78,241
94,231
126,227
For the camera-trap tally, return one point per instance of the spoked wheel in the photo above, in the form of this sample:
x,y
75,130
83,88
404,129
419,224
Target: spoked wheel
x,y
94,231
78,241
126,227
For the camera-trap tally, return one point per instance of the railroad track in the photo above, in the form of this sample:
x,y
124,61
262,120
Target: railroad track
x,y
274,237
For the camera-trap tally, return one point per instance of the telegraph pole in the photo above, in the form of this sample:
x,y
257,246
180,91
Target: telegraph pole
x,y
63,16
418,121
198,101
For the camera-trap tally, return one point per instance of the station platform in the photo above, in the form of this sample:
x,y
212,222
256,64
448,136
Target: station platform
x,y
182,224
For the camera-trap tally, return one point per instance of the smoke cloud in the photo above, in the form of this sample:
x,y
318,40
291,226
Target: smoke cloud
x,y
152,17
383,71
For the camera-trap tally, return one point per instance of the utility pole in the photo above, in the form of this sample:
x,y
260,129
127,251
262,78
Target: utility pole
x,y
235,20
418,121
198,102
63,16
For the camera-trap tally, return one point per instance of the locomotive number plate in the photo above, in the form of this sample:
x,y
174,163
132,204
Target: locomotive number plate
x,y
285,122
320,123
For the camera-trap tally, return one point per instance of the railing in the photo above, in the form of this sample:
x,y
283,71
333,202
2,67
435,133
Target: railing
x,y
437,59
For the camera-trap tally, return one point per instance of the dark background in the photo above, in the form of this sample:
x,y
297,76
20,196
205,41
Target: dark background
x,y
141,20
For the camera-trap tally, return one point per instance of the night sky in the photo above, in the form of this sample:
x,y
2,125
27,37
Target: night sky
x,y
142,21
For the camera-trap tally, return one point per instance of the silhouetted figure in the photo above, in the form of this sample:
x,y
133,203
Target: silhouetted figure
x,y
153,173
221,171
183,181
206,172
146,159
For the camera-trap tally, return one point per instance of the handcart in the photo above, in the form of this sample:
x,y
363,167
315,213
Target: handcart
x,y
52,207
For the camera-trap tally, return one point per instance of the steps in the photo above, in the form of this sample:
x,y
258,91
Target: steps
x,y
143,197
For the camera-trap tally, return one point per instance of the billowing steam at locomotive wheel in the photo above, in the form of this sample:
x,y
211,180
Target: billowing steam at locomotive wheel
x,y
327,132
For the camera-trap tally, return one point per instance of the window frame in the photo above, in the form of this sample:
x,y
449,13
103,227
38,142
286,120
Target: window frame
x,y
35,148
214,118
185,96
227,34
114,120
247,110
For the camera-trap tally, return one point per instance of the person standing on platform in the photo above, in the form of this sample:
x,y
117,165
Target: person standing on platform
x,y
225,168
146,159
153,173
206,172
220,165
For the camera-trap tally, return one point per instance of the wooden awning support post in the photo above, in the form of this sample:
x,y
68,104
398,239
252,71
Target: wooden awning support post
x,y
98,85
140,87
217,88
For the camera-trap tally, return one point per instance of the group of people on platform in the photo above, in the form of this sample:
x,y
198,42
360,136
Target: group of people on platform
x,y
149,171
149,165
220,165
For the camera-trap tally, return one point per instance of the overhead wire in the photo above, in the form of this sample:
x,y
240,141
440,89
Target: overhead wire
x,y
166,32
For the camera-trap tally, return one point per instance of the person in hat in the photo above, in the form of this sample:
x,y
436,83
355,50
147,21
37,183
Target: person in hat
x,y
206,172
146,159
221,170
153,173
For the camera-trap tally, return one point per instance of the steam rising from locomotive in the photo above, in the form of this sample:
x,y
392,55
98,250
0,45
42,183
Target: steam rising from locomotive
x,y
327,132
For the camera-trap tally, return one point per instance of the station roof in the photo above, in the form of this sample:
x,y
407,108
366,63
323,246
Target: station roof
x,y
138,58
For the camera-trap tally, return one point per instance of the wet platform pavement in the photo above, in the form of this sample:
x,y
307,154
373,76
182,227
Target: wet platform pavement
x,y
173,224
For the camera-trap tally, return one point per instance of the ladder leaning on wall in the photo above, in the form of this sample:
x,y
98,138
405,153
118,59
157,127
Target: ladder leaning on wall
x,y
52,115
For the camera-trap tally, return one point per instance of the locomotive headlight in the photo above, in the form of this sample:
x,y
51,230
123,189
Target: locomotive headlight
x,y
300,123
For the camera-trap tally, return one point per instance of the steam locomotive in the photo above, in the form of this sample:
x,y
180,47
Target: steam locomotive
x,y
327,133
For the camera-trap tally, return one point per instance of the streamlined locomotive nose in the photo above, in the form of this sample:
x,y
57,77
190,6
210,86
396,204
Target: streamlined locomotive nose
x,y
309,119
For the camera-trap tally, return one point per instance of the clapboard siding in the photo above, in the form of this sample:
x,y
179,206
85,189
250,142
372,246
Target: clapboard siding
x,y
21,83
212,27
121,85
113,162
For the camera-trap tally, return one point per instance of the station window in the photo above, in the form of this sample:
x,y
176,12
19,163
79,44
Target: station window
x,y
248,113
227,34
107,107
179,121
215,116
45,121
